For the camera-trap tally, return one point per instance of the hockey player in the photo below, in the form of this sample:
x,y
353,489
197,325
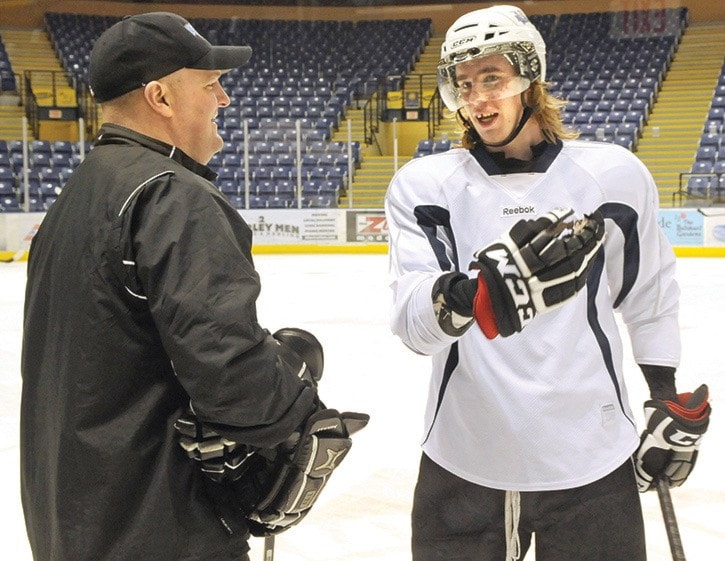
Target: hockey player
x,y
141,342
528,429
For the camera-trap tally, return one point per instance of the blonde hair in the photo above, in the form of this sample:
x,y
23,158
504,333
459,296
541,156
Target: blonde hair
x,y
546,110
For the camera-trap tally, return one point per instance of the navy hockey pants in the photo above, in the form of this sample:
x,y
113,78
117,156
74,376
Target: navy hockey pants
x,y
456,520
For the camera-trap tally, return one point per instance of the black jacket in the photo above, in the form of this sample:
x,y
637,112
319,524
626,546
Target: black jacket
x,y
140,298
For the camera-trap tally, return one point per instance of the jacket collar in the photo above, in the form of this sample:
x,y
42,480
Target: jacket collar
x,y
116,134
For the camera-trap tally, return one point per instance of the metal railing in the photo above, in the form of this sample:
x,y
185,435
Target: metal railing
x,y
435,113
30,102
26,182
710,194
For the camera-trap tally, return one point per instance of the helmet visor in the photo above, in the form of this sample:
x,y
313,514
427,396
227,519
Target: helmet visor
x,y
480,79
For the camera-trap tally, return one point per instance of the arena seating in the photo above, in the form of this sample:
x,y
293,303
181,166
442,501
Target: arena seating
x,y
707,176
48,167
305,73
609,77
7,77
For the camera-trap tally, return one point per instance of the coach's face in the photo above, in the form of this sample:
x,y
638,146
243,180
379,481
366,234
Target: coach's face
x,y
195,97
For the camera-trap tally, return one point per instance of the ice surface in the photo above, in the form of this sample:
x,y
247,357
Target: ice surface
x,y
364,512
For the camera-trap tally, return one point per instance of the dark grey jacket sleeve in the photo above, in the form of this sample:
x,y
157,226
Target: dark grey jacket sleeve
x,y
193,261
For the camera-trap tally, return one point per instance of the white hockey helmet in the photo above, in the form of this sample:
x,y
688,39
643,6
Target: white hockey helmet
x,y
502,30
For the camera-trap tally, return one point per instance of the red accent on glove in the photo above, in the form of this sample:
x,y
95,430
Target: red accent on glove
x,y
483,310
697,413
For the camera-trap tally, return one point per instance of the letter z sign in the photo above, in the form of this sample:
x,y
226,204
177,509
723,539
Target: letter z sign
x,y
370,227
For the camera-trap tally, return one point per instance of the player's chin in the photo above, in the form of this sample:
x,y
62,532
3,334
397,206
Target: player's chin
x,y
490,137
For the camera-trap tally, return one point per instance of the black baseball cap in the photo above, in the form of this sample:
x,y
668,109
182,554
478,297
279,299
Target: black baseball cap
x,y
146,47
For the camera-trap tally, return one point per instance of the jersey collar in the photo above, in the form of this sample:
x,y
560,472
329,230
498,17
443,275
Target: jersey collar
x,y
495,163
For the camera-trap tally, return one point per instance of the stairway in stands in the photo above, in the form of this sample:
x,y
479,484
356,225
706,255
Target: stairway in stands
x,y
448,128
671,136
11,121
31,49
372,179
366,191
371,182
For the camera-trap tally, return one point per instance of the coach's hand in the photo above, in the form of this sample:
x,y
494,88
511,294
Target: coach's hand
x,y
536,267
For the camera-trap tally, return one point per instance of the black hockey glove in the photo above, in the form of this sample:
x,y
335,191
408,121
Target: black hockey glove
x,y
301,468
298,344
222,459
669,444
453,295
274,488
536,267
219,458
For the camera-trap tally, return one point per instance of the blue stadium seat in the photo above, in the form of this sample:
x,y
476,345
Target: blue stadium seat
x,y
9,204
6,188
442,145
320,201
710,139
228,187
702,167
227,174
255,201
699,186
278,201
62,147
49,189
706,153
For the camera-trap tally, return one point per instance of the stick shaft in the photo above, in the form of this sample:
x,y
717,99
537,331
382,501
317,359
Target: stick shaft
x,y
269,548
668,514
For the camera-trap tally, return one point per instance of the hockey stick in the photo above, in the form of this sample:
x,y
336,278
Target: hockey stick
x,y
269,548
668,514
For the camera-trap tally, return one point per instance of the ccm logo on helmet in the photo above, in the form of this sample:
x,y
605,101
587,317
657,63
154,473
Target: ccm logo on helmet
x,y
462,42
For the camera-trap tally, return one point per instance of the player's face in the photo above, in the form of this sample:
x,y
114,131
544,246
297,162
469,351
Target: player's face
x,y
195,97
490,88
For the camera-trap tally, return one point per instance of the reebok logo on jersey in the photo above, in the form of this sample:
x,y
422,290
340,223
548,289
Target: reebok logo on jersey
x,y
517,210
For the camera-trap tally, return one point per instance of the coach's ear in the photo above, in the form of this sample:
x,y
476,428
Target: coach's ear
x,y
155,93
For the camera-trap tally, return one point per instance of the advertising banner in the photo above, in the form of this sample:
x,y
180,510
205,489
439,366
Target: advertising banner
x,y
302,226
714,234
683,227
367,226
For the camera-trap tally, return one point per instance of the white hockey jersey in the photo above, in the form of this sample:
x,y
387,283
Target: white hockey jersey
x,y
547,408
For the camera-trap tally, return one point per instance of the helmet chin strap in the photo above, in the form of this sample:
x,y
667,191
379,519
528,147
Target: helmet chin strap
x,y
514,133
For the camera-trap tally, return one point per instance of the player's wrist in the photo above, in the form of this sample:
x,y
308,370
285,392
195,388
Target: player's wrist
x,y
661,381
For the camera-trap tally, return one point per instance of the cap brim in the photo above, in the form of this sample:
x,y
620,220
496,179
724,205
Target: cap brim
x,y
223,57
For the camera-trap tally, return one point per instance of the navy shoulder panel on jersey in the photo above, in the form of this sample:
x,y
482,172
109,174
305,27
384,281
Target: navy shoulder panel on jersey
x,y
435,221
625,217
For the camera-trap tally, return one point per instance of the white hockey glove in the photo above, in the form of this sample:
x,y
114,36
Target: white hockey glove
x,y
670,442
536,267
